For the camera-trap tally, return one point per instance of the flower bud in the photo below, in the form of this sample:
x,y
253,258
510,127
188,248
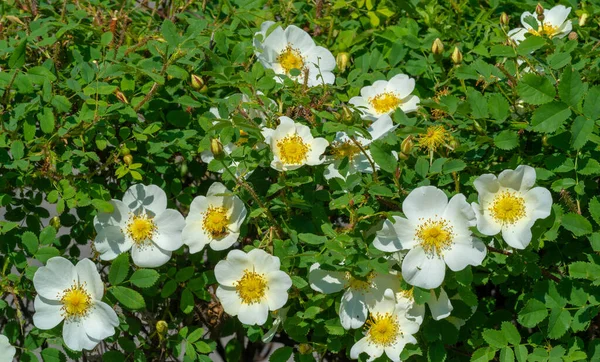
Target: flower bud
x,y
342,60
162,327
539,9
541,18
583,19
125,151
120,96
197,82
504,19
216,147
572,35
437,48
407,145
346,115
128,159
55,222
304,348
457,56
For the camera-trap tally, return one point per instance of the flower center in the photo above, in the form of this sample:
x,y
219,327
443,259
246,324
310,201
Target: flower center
x,y
345,149
141,228
357,284
243,138
290,58
216,221
76,301
252,287
385,102
408,293
434,137
435,235
292,150
546,29
383,329
508,207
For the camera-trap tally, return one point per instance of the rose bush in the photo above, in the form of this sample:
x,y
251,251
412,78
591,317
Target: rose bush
x,y
328,181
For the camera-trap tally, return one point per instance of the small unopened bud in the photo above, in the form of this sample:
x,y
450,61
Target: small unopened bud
x,y
453,144
407,145
120,96
346,115
125,151
457,56
342,60
197,82
128,159
304,348
162,327
541,17
572,35
583,19
437,48
504,19
55,222
216,147
539,9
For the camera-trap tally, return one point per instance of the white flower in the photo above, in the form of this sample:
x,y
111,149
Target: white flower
x,y
214,219
140,222
436,233
440,307
511,205
343,147
384,97
73,293
359,295
555,24
292,48
251,284
388,330
7,352
293,145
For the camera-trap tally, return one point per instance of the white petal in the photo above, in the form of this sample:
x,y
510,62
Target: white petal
x,y
326,281
225,242
169,226
101,321
397,236
7,352
48,313
118,217
230,270
353,309
486,184
416,313
517,34
440,307
486,224
332,171
88,275
194,237
385,304
229,299
364,345
252,314
423,270
322,59
518,235
279,283
565,29
217,189
460,214
465,253
51,280
262,261
76,338
538,201
410,104
381,127
521,179
317,149
274,44
557,15
110,242
402,85
238,213
147,198
526,14
299,39
150,255
424,202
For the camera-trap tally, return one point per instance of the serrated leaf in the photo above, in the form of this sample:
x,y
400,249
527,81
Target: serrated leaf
x,y
282,354
530,44
507,355
594,208
511,333
119,269
129,298
580,131
144,278
169,32
494,338
590,105
521,353
312,238
484,354
577,224
506,140
533,313
570,87
550,117
558,323
383,158
535,89
498,107
17,58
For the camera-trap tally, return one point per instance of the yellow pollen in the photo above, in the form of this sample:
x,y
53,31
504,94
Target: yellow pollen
x,y
358,284
508,207
292,150
216,221
141,228
345,149
383,329
435,236
408,293
252,287
243,138
546,29
385,102
434,137
290,58
76,301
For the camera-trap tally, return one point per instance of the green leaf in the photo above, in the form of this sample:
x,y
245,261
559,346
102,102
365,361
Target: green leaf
x,y
46,119
383,158
106,38
30,241
103,206
169,32
436,352
533,313
511,333
53,355
558,323
530,44
129,298
494,338
570,87
498,107
507,355
590,105
535,89
119,269
521,353
17,58
312,238
479,104
48,235
550,117
17,149
580,131
144,278
507,140
43,254
453,166
595,209
282,354
484,354
186,304
577,224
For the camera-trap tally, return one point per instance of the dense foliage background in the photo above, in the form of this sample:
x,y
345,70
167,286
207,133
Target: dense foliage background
x,y
98,95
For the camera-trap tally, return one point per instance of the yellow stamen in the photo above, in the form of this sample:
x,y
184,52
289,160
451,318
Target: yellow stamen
x,y
435,235
252,287
383,329
358,284
216,221
508,207
292,150
345,149
290,58
408,293
141,228
385,102
546,29
434,137
76,301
